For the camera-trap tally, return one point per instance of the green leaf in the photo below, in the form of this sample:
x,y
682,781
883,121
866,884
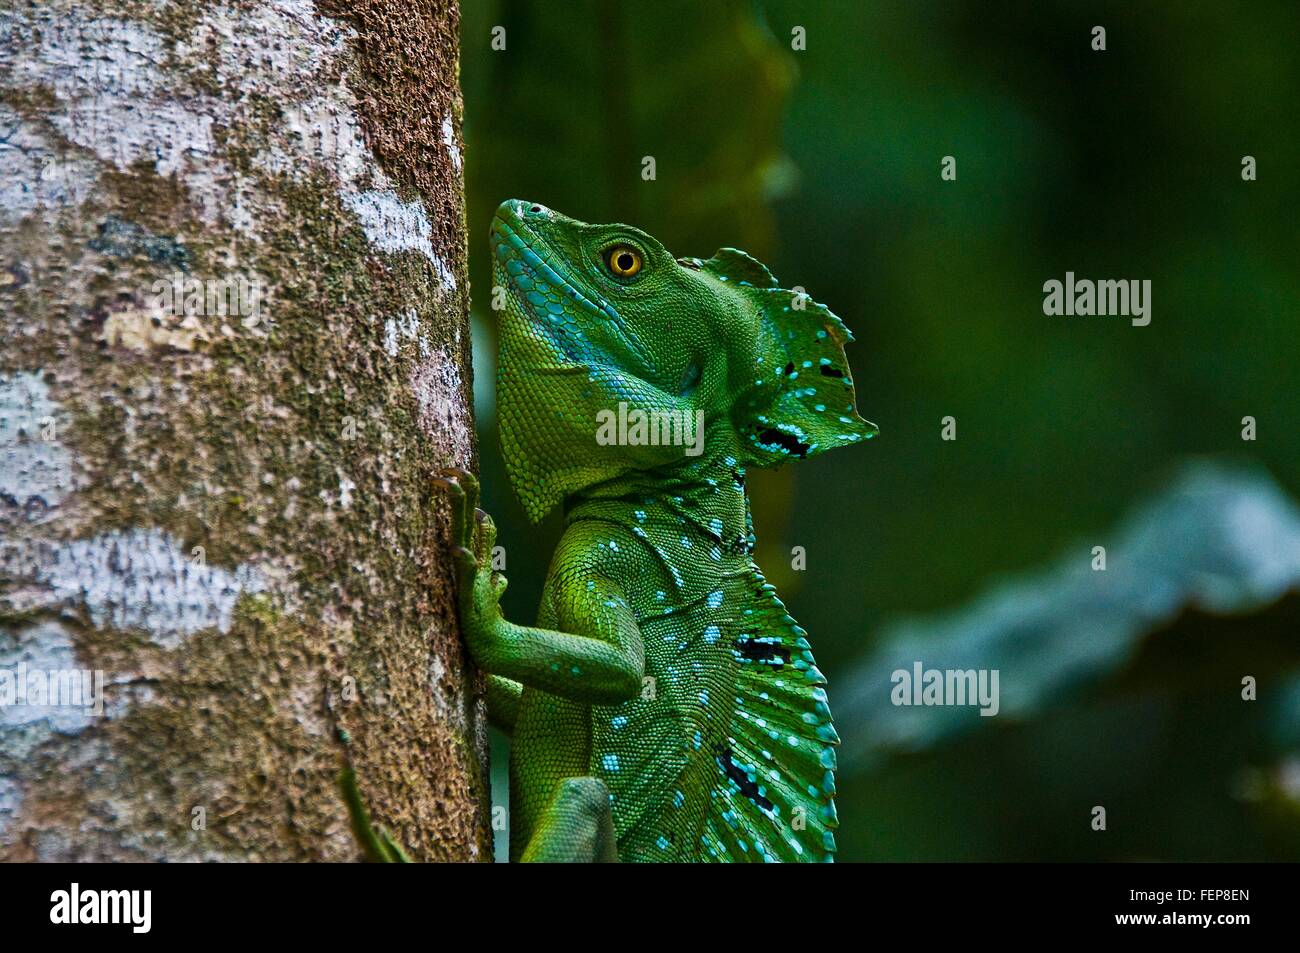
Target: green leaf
x,y
578,101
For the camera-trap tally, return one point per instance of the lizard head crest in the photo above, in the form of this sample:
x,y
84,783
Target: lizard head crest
x,y
601,327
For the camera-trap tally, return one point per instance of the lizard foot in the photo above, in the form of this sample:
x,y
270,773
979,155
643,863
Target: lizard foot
x,y
472,542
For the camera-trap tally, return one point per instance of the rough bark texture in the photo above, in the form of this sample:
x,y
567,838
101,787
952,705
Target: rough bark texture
x,y
229,515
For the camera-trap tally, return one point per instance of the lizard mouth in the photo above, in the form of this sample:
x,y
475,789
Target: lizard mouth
x,y
537,274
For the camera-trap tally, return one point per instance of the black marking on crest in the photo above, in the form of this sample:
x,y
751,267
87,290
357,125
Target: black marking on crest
x,y
739,546
737,774
787,442
765,650
829,371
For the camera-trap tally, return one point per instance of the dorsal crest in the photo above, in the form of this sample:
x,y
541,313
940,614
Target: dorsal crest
x,y
799,399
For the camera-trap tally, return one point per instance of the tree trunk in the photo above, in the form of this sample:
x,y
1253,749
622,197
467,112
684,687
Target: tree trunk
x,y
235,348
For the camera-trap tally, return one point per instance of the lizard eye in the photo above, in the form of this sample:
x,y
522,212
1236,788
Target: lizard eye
x,y
623,260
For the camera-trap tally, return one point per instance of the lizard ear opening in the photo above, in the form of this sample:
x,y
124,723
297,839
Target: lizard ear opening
x,y
800,399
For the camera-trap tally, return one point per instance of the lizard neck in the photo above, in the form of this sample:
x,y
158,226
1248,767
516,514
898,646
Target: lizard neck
x,y
706,492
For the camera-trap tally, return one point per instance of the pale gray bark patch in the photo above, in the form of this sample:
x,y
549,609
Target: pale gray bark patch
x,y
33,176
42,648
141,99
35,468
138,579
11,803
439,391
395,226
448,130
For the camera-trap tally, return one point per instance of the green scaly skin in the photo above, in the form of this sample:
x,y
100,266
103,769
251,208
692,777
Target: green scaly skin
x,y
665,707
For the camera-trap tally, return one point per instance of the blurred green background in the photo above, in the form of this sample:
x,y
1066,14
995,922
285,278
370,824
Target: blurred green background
x,y
825,163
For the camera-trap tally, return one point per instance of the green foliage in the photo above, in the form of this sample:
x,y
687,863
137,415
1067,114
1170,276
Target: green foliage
x,y
379,847
581,95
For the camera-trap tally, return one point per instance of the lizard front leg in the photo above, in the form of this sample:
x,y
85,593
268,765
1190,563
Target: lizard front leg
x,y
599,661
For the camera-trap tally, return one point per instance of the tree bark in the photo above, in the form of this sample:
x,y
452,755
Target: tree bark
x,y
235,348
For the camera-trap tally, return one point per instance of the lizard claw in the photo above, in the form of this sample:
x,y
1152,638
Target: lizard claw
x,y
461,487
456,473
487,537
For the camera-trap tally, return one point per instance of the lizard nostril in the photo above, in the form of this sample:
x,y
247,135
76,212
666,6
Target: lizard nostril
x,y
535,208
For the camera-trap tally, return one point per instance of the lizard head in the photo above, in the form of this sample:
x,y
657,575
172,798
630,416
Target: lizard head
x,y
600,322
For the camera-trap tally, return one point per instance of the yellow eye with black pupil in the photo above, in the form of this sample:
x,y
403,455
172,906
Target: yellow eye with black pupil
x,y
623,260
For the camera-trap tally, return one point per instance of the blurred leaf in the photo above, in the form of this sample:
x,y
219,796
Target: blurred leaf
x,y
1200,583
575,102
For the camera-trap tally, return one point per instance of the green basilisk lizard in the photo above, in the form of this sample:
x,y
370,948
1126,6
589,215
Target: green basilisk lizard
x,y
665,707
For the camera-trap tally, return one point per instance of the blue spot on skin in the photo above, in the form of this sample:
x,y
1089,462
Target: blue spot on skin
x,y
712,634
714,599
620,720
610,762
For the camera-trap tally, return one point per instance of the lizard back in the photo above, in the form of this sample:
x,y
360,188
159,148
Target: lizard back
x,y
728,753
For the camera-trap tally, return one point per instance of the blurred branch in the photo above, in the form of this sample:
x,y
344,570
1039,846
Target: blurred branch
x,y
1200,582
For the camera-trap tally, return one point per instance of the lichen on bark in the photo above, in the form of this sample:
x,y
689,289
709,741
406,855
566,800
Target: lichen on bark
x,y
239,533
